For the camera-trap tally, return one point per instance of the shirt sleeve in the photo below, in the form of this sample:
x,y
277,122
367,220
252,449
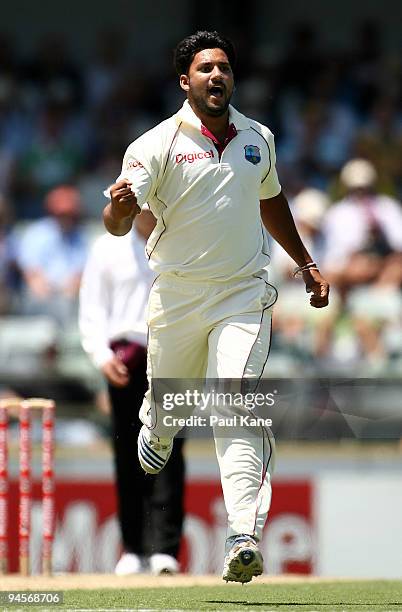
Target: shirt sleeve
x,y
270,185
93,309
31,248
141,165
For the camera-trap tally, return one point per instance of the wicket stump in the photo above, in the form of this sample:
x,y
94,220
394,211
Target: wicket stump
x,y
25,407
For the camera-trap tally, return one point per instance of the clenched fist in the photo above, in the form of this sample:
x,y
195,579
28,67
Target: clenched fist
x,y
318,286
124,202
119,214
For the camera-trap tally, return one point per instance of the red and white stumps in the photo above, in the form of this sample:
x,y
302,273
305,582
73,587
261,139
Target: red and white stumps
x,y
26,409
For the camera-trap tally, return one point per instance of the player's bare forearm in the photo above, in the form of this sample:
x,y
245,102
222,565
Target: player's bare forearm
x,y
117,227
278,220
119,214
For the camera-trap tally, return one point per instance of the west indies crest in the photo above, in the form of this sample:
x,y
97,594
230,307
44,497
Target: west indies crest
x,y
252,154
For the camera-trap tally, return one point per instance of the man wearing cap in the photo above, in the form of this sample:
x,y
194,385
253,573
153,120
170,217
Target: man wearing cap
x,y
51,256
363,231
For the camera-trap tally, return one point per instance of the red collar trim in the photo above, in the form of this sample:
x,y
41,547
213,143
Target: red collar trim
x,y
230,134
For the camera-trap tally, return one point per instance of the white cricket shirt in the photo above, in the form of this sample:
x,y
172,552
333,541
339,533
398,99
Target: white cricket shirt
x,y
207,208
114,294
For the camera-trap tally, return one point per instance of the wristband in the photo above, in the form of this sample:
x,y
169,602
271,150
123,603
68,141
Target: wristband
x,y
310,266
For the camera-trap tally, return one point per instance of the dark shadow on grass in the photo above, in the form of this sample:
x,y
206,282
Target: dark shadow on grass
x,y
241,603
296,603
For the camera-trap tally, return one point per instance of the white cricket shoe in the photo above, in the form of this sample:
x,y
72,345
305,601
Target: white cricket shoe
x,y
129,563
243,560
163,564
153,452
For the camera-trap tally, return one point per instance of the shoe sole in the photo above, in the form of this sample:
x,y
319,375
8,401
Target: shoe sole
x,y
245,564
165,572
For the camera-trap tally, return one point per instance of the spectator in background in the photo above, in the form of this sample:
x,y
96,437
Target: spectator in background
x,y
363,258
363,231
52,255
113,301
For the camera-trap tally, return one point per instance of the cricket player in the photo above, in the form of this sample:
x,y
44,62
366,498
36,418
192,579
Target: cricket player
x,y
208,174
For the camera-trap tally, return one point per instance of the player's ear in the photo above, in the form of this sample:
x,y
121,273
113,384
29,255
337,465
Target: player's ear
x,y
184,82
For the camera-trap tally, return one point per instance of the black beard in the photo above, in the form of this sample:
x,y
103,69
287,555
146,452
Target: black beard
x,y
202,106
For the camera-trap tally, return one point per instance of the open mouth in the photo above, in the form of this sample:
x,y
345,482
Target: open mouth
x,y
216,91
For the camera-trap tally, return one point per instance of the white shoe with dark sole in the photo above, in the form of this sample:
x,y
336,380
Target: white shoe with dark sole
x,y
161,564
153,452
243,560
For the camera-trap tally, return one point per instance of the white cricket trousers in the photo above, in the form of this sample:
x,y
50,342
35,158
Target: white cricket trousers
x,y
217,331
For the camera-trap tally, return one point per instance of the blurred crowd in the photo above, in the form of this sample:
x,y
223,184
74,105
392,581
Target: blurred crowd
x,y
337,120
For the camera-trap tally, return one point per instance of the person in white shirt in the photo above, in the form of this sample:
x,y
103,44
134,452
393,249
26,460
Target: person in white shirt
x,y
208,174
113,301
363,231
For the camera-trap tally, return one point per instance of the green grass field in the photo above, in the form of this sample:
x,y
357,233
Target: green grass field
x,y
345,596
186,592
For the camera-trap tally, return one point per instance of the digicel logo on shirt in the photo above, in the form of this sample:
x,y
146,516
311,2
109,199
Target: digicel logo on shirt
x,y
192,157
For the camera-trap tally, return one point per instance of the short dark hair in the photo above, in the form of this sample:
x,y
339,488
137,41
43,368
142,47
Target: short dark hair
x,y
191,45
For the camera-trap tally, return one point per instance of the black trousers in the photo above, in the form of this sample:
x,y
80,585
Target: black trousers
x,y
150,507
